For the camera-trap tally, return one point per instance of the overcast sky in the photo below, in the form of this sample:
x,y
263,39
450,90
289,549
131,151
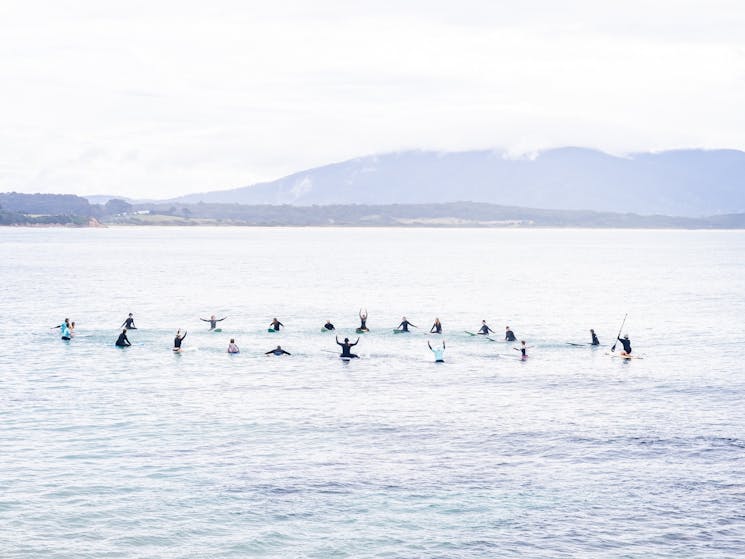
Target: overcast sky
x,y
153,98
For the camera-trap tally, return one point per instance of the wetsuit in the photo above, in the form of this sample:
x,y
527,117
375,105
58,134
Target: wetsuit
x,y
363,324
509,336
213,321
345,347
275,325
595,340
439,354
436,328
485,330
122,340
129,324
626,343
329,326
278,352
177,341
404,326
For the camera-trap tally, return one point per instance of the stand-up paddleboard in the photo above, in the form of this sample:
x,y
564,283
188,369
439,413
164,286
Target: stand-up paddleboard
x,y
625,356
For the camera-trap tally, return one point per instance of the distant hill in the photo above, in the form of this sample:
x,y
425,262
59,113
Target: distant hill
x,y
682,183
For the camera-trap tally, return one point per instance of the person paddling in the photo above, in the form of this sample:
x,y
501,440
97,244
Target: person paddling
x,y
438,351
626,343
346,346
213,321
277,351
404,326
122,340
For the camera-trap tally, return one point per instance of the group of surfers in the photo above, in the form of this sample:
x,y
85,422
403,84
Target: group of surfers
x,y
67,330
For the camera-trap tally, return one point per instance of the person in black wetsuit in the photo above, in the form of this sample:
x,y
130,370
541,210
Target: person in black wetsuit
x,y
509,335
276,324
484,330
346,346
122,340
329,325
404,326
626,343
129,323
436,327
595,340
177,341
277,351
363,322
213,321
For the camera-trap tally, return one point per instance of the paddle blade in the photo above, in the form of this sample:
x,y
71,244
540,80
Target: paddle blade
x,y
613,347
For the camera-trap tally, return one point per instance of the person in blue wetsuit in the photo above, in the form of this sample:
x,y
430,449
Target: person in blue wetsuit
x,y
626,343
438,351
595,340
346,346
404,326
436,327
277,351
276,324
484,330
122,340
509,335
213,321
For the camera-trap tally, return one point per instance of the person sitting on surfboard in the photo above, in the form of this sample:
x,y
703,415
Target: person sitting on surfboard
x,y
404,326
438,351
595,340
276,324
277,351
346,346
436,327
484,330
626,343
177,340
122,340
129,323
213,321
363,321
232,347
509,335
329,325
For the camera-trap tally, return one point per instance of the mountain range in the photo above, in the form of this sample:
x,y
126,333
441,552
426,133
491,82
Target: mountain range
x,y
689,183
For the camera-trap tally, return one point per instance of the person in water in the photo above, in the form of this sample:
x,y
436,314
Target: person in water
x,y
436,327
363,321
232,347
626,343
404,326
484,330
346,346
438,351
72,328
276,324
523,350
177,341
509,335
65,327
595,340
329,325
277,351
212,320
122,340
129,323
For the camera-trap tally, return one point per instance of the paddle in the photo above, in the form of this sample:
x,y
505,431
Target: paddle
x,y
613,347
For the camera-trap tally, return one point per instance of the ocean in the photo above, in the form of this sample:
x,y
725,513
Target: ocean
x,y
574,452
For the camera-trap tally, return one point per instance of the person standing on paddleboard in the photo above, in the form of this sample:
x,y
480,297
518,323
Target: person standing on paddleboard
x,y
626,343
346,346
484,330
129,323
436,327
213,321
595,340
509,335
177,340
438,351
404,326
122,340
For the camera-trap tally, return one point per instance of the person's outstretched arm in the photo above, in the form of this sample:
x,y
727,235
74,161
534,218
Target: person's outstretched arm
x,y
286,352
221,319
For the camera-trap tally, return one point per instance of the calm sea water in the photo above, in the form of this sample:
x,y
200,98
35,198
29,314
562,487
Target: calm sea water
x,y
573,453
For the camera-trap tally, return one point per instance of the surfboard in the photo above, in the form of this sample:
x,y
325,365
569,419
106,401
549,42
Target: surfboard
x,y
625,356
402,331
361,331
272,330
470,333
217,330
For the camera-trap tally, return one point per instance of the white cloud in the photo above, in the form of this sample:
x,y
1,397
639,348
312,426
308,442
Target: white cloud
x,y
163,98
